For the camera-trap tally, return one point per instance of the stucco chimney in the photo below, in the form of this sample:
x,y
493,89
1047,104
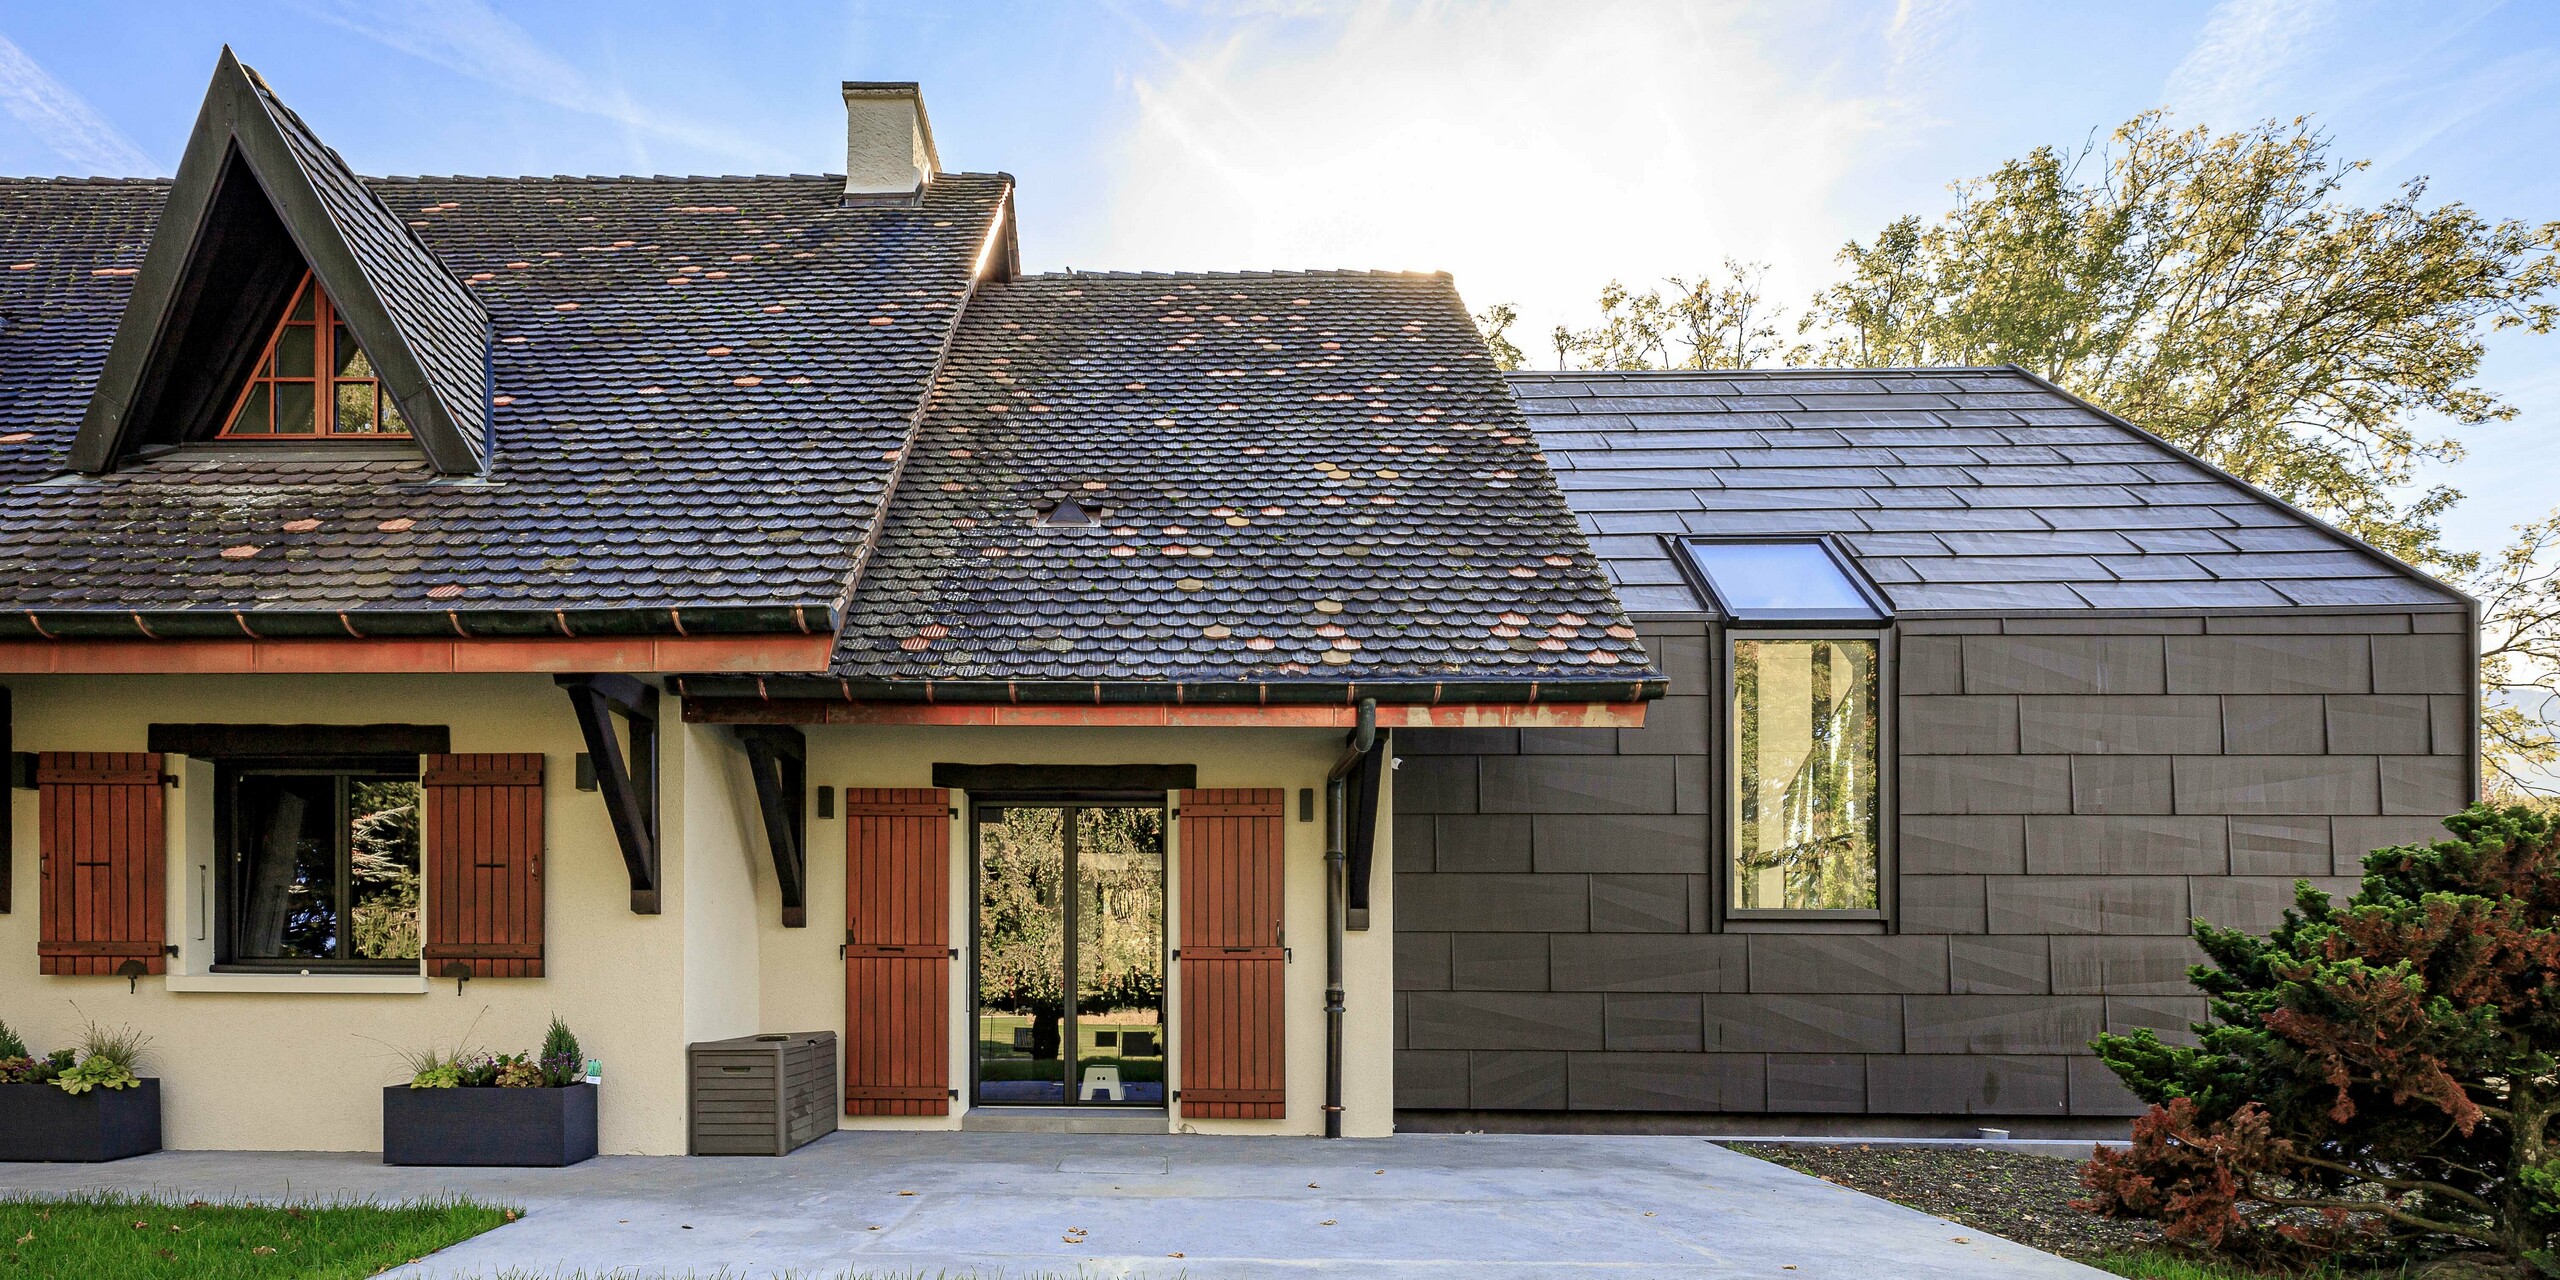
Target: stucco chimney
x,y
888,143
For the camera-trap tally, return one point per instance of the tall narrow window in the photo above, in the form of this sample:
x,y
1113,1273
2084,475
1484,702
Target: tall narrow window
x,y
1806,642
313,380
1806,788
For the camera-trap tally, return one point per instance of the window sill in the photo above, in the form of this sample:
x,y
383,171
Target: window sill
x,y
348,984
1843,923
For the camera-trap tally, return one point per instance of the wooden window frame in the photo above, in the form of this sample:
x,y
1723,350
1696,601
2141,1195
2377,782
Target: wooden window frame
x,y
324,381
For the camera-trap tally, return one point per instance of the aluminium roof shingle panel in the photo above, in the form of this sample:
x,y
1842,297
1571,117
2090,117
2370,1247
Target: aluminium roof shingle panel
x,y
1958,491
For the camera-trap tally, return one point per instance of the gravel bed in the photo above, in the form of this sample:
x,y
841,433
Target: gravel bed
x,y
2026,1198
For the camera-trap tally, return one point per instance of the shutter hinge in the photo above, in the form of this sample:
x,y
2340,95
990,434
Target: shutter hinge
x,y
169,780
955,953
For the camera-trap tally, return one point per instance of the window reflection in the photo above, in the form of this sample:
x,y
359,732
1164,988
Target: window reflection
x,y
1807,791
323,868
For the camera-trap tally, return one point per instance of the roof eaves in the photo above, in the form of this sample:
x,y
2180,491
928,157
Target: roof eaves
x,y
399,624
1641,687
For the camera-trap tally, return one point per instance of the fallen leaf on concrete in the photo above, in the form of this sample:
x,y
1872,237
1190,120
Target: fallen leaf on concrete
x,y
906,1193
1173,1255
1326,1223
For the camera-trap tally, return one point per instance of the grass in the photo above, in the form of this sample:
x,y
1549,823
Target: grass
x,y
86,1237
2161,1264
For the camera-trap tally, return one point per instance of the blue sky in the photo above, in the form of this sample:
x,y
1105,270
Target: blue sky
x,y
1534,149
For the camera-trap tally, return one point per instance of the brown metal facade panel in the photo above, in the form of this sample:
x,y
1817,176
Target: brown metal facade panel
x,y
897,951
484,864
104,852
1233,1047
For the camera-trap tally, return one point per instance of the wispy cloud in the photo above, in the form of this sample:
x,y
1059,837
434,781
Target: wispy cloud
x,y
472,39
1534,150
2247,51
62,120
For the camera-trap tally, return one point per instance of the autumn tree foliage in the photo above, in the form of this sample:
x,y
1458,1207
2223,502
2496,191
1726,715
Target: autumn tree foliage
x,y
2227,291
2380,1075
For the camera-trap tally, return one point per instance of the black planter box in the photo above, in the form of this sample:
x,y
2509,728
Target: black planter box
x,y
542,1128
40,1122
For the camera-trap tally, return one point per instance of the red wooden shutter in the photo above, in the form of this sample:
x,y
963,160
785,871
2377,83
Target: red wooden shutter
x,y
484,864
105,852
1232,965
897,954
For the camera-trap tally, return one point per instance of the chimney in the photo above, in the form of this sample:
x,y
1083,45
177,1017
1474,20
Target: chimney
x,y
888,143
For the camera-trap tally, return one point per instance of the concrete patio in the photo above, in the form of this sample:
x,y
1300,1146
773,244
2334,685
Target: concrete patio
x,y
1015,1205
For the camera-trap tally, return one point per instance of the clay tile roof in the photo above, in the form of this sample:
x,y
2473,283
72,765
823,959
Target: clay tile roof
x,y
442,323
1296,478
631,471
1958,491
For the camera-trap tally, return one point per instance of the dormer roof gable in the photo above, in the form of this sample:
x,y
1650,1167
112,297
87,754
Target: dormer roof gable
x,y
259,199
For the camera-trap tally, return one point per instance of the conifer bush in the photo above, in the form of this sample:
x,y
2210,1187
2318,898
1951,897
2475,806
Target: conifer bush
x,y
2380,1076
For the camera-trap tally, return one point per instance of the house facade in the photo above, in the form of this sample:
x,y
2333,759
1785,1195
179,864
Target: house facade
x,y
709,606
2107,691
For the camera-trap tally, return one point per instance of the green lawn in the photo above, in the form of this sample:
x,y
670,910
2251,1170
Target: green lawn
x,y
92,1237
2161,1264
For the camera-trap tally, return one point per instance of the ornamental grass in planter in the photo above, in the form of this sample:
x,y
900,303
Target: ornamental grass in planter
x,y
472,1108
84,1104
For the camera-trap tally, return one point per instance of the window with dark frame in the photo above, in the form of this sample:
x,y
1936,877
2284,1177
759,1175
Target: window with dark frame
x,y
313,381
1804,655
320,865
1807,791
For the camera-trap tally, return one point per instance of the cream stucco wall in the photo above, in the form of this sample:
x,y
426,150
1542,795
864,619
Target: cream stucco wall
x,y
295,1070
803,993
294,1067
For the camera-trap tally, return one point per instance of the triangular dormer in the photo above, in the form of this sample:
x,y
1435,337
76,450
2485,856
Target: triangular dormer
x,y
265,226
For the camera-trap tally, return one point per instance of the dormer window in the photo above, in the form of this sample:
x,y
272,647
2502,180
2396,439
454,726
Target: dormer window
x,y
313,381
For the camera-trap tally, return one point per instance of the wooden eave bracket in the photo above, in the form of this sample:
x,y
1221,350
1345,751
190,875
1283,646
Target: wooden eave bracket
x,y
778,760
628,783
1361,843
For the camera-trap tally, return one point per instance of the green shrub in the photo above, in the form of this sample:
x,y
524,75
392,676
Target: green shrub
x,y
97,1071
11,1045
2380,1076
564,1063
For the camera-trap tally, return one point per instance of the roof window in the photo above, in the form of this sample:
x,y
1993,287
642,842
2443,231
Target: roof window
x,y
1067,513
1782,580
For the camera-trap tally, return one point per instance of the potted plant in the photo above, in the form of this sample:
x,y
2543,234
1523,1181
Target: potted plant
x,y
84,1104
472,1108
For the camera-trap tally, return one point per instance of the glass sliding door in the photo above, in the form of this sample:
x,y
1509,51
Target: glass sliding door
x,y
1068,954
1119,955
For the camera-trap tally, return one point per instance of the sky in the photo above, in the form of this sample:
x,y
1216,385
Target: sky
x,y
1533,150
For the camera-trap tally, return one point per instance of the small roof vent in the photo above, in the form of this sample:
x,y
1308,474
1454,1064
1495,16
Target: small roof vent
x,y
1067,514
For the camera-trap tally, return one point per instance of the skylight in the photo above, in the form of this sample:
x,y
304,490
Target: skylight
x,y
1782,581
